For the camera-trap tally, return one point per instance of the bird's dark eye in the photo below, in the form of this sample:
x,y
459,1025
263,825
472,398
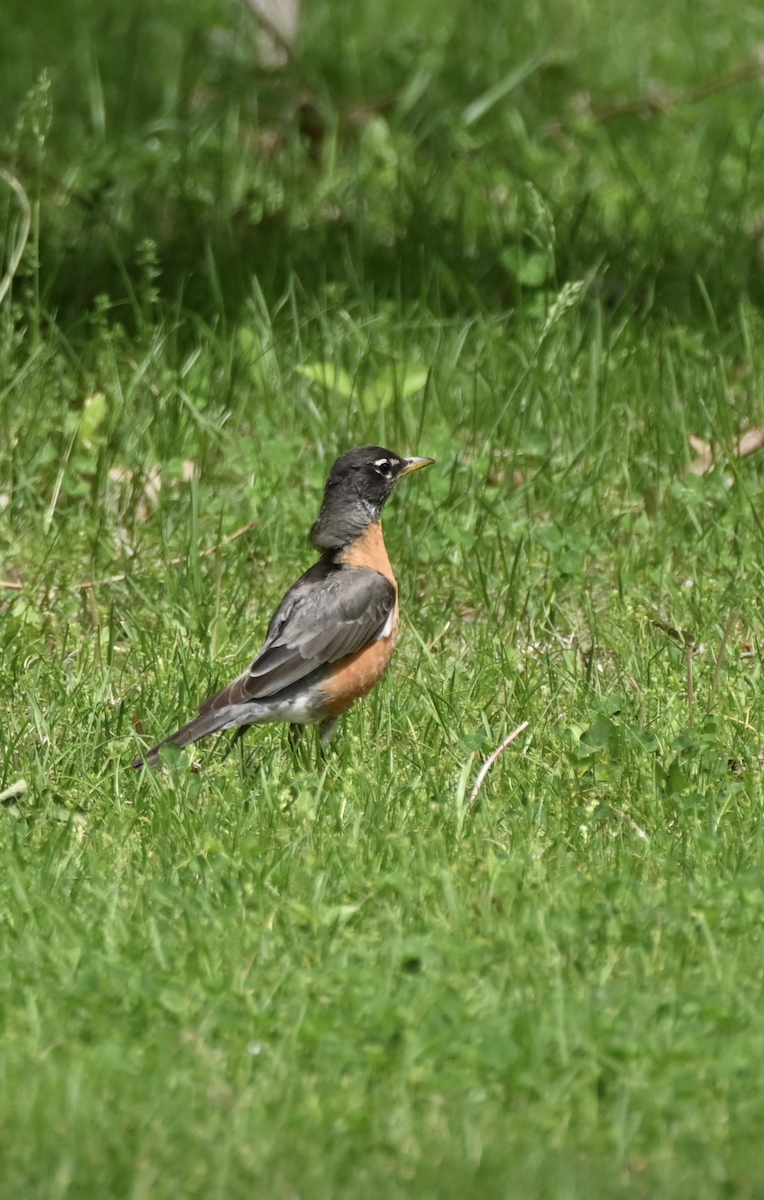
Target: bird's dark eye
x,y
384,466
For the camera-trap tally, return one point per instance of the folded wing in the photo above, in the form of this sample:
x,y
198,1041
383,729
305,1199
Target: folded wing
x,y
329,613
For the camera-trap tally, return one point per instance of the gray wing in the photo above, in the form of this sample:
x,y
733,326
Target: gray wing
x,y
325,616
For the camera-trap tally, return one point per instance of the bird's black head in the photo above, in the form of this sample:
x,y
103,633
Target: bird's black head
x,y
359,484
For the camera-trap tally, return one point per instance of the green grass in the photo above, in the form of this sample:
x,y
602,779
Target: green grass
x,y
393,158
284,975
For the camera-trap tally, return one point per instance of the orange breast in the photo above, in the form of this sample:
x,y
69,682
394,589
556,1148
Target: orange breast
x,y
355,676
369,550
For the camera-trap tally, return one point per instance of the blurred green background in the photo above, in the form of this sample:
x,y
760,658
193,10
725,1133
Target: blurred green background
x,y
393,153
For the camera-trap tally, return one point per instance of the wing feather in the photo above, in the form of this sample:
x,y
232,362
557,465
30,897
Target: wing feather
x,y
329,613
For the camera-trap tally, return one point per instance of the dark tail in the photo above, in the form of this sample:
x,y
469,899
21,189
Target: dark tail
x,y
231,716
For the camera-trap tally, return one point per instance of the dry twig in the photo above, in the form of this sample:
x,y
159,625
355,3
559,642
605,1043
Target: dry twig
x,y
491,760
19,788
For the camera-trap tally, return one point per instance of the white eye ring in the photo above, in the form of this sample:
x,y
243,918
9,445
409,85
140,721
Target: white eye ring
x,y
384,466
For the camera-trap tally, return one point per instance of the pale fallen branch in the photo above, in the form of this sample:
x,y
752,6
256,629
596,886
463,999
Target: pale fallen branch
x,y
19,788
710,452
491,760
8,583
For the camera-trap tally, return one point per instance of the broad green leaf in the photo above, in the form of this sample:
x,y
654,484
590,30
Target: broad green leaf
x,y
570,563
534,270
643,739
608,705
531,269
334,379
676,781
412,380
92,417
371,402
404,380
46,454
83,464
597,735
74,486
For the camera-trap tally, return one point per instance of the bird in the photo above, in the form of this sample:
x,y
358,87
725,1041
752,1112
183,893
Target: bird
x,y
332,637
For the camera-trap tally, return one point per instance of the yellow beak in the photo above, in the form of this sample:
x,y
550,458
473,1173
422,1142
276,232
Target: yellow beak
x,y
414,464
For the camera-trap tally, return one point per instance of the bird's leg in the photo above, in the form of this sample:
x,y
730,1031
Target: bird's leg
x,y
326,730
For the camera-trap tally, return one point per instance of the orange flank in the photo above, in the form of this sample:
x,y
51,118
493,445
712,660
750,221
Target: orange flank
x,y
355,676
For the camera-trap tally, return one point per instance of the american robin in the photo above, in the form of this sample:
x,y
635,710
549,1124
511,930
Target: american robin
x,y
334,633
